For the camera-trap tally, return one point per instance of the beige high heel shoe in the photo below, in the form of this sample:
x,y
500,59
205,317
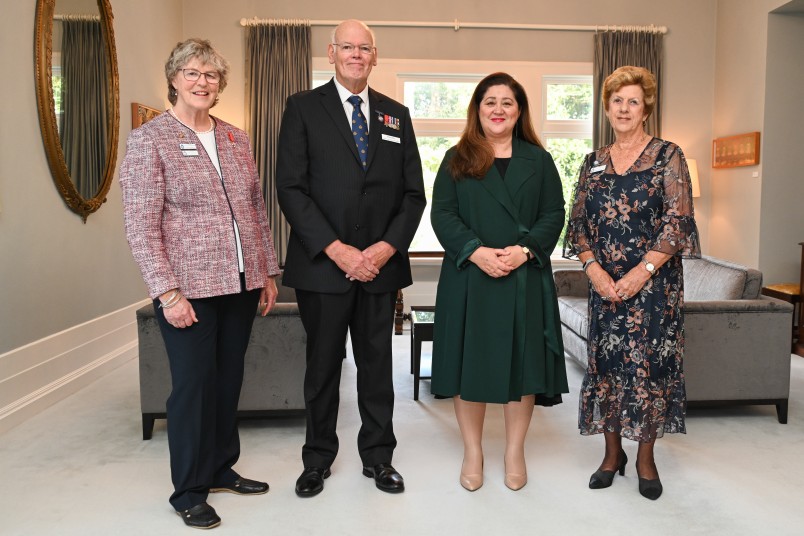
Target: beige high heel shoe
x,y
472,482
515,481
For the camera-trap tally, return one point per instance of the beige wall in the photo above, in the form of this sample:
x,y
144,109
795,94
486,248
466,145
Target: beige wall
x,y
781,225
741,48
56,271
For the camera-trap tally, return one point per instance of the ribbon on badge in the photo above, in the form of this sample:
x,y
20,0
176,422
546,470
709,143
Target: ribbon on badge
x,y
388,120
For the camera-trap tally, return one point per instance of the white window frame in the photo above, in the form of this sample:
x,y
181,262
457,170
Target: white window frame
x,y
564,128
390,75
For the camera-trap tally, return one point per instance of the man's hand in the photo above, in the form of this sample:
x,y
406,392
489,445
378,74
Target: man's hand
x,y
379,253
354,263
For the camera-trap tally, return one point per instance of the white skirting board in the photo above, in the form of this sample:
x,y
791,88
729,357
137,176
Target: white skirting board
x,y
37,375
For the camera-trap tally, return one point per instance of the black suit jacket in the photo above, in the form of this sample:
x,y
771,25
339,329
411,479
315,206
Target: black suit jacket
x,y
326,195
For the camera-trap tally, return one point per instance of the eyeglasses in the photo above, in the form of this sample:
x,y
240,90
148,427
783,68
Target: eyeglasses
x,y
348,48
191,75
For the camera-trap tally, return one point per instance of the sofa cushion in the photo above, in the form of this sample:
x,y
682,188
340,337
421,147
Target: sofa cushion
x,y
574,312
710,279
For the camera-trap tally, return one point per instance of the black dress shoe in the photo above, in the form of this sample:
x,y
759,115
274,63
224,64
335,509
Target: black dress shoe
x,y
650,489
243,486
386,477
200,516
602,479
311,481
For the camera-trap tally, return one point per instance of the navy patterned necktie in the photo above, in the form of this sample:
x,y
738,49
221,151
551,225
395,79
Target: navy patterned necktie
x,y
359,128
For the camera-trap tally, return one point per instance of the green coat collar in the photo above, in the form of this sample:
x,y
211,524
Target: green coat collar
x,y
520,171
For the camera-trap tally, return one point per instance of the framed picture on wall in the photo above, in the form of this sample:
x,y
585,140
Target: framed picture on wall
x,y
735,151
141,114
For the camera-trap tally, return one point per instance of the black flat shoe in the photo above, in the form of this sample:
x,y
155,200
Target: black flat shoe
x,y
385,477
243,486
200,516
650,489
311,481
602,479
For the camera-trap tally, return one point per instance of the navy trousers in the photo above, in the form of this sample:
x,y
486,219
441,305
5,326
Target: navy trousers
x,y
206,367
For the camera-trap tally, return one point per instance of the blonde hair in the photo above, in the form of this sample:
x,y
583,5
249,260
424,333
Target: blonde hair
x,y
629,75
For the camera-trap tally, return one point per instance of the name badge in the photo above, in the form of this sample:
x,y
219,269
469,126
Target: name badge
x,y
394,139
190,153
187,146
597,168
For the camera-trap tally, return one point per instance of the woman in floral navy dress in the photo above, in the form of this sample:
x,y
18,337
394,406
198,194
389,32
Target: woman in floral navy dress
x,y
630,224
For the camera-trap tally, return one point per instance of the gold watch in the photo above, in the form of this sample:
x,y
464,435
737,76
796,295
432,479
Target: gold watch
x,y
649,267
527,252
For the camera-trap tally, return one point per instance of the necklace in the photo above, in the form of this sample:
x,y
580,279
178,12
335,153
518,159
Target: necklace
x,y
210,129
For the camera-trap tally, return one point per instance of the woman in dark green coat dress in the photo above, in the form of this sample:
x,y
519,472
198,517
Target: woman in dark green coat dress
x,y
498,211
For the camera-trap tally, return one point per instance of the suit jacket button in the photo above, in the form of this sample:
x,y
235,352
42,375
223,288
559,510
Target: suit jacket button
x,y
357,227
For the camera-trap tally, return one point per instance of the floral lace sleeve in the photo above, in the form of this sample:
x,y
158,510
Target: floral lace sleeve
x,y
576,239
676,233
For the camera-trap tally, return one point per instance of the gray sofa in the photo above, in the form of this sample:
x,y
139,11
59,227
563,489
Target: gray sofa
x,y
275,363
737,341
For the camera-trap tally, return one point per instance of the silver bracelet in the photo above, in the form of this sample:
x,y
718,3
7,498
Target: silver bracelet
x,y
587,262
172,300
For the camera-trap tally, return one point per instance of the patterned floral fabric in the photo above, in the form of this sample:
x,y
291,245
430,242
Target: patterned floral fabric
x,y
634,384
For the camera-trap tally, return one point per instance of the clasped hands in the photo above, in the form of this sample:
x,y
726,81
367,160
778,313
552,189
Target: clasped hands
x,y
624,288
359,265
496,262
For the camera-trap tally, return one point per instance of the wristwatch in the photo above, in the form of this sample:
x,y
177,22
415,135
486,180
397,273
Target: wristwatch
x,y
649,267
527,252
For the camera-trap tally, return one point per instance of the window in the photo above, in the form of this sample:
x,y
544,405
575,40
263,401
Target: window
x,y
437,93
58,88
437,106
567,128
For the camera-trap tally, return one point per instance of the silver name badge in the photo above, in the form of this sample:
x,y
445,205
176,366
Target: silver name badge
x,y
190,153
187,146
597,168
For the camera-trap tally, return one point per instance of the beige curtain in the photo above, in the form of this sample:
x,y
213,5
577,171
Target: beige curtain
x,y
84,132
278,64
613,49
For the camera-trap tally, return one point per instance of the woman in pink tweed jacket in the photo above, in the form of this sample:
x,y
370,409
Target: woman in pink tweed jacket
x,y
197,226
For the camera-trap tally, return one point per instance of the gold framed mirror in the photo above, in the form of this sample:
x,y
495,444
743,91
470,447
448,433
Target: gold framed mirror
x,y
80,117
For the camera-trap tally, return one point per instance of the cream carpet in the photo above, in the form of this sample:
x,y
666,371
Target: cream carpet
x,y
81,468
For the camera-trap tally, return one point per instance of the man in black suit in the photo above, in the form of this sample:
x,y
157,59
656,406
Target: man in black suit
x,y
353,198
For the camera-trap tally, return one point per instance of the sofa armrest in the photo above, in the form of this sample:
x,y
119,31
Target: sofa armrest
x,y
737,349
571,283
764,304
283,309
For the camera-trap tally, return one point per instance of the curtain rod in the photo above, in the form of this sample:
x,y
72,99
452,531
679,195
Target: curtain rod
x,y
457,25
76,17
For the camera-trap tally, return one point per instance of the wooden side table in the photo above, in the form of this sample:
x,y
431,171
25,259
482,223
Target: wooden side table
x,y
421,329
792,293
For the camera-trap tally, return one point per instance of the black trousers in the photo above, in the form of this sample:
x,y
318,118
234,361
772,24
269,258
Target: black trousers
x,y
369,318
206,366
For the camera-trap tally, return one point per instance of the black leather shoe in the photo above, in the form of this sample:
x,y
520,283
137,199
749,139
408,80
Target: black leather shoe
x,y
311,481
200,516
602,479
650,489
385,477
243,486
